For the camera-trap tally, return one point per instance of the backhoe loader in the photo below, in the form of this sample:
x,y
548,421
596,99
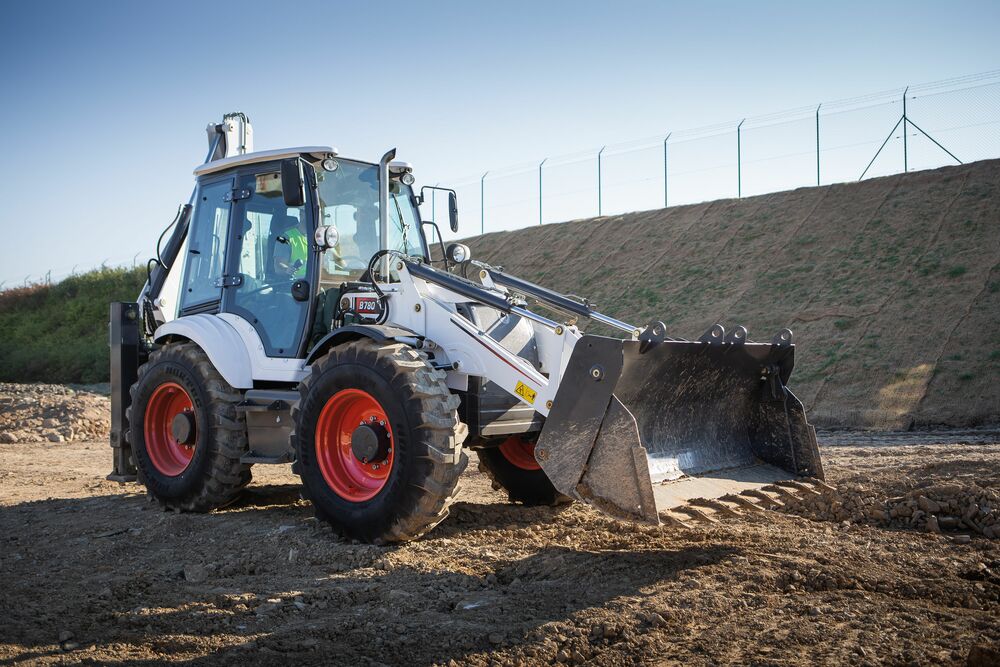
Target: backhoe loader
x,y
296,314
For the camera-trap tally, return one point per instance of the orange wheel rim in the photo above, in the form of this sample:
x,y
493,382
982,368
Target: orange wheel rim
x,y
352,478
520,452
168,455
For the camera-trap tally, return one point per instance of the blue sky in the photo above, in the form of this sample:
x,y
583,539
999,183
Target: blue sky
x,y
105,103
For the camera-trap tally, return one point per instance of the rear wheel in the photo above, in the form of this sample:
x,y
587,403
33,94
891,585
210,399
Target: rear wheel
x,y
186,435
512,467
378,441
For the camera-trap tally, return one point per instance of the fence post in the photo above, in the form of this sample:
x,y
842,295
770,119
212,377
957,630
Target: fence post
x,y
665,140
817,144
599,180
906,163
482,204
540,189
739,162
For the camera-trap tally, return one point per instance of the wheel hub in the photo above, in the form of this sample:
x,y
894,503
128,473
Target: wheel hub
x,y
170,429
182,428
370,443
354,445
520,453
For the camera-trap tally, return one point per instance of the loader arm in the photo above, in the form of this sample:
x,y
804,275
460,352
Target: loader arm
x,y
633,426
426,299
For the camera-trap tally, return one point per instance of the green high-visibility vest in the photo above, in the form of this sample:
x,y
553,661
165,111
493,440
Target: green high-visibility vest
x,y
299,245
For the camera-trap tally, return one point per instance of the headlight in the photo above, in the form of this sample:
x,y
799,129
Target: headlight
x,y
329,164
458,253
407,178
326,236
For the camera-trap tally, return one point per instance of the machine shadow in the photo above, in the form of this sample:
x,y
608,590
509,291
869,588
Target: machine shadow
x,y
553,584
438,608
267,495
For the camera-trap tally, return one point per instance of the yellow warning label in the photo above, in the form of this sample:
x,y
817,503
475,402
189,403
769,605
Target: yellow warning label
x,y
525,392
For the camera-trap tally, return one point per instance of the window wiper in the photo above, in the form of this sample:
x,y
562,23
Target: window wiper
x,y
402,227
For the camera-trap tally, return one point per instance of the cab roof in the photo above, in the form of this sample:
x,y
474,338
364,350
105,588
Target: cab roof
x,y
262,156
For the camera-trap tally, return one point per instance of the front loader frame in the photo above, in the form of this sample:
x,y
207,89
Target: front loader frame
x,y
127,353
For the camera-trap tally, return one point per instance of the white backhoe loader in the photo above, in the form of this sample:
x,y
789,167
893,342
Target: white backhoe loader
x,y
294,315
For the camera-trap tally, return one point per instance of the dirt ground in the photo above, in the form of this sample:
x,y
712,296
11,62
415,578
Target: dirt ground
x,y
92,572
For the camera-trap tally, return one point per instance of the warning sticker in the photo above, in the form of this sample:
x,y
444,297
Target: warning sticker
x,y
525,392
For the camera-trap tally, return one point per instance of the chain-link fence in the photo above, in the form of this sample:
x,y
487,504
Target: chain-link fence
x,y
945,122
918,127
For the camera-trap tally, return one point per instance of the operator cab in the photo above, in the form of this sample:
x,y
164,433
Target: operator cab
x,y
252,248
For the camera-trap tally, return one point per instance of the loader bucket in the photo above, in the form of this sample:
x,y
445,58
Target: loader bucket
x,y
640,427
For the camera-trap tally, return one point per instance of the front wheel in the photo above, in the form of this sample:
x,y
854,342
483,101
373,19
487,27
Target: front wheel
x,y
378,441
511,466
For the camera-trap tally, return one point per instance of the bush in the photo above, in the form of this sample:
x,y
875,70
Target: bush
x,y
59,333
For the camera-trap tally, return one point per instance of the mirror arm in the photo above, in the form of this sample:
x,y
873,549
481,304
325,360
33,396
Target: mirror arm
x,y
444,255
434,187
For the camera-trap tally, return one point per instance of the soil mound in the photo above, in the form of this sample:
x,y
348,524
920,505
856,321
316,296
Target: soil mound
x,y
52,413
891,285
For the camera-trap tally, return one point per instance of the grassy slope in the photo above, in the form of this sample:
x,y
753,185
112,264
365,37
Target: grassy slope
x,y
891,285
59,333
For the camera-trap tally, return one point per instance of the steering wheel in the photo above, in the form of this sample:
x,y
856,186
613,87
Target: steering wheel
x,y
269,286
341,261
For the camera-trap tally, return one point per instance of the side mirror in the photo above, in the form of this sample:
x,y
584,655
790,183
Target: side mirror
x,y
293,183
453,211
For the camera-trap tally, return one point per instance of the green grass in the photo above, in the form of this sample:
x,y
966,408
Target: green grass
x,y
928,265
956,271
59,333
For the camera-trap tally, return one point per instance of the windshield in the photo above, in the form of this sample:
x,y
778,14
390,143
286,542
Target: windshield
x,y
348,200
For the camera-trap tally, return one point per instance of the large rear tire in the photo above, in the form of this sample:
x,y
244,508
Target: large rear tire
x,y
186,435
512,467
378,441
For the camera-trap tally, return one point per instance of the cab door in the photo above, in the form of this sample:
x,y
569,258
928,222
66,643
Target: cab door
x,y
201,286
272,261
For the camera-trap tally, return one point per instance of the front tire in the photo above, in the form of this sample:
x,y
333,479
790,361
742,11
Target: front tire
x,y
378,441
186,435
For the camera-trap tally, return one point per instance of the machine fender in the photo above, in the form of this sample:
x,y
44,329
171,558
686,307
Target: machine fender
x,y
351,332
220,341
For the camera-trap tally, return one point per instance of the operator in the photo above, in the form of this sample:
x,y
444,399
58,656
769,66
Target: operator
x,y
291,250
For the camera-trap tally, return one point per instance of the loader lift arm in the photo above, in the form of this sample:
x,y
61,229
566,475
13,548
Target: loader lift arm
x,y
633,426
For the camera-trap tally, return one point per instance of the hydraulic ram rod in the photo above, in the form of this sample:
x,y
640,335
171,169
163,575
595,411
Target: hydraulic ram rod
x,y
558,301
465,288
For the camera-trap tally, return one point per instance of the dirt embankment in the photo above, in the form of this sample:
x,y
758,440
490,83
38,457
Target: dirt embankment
x,y
892,286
